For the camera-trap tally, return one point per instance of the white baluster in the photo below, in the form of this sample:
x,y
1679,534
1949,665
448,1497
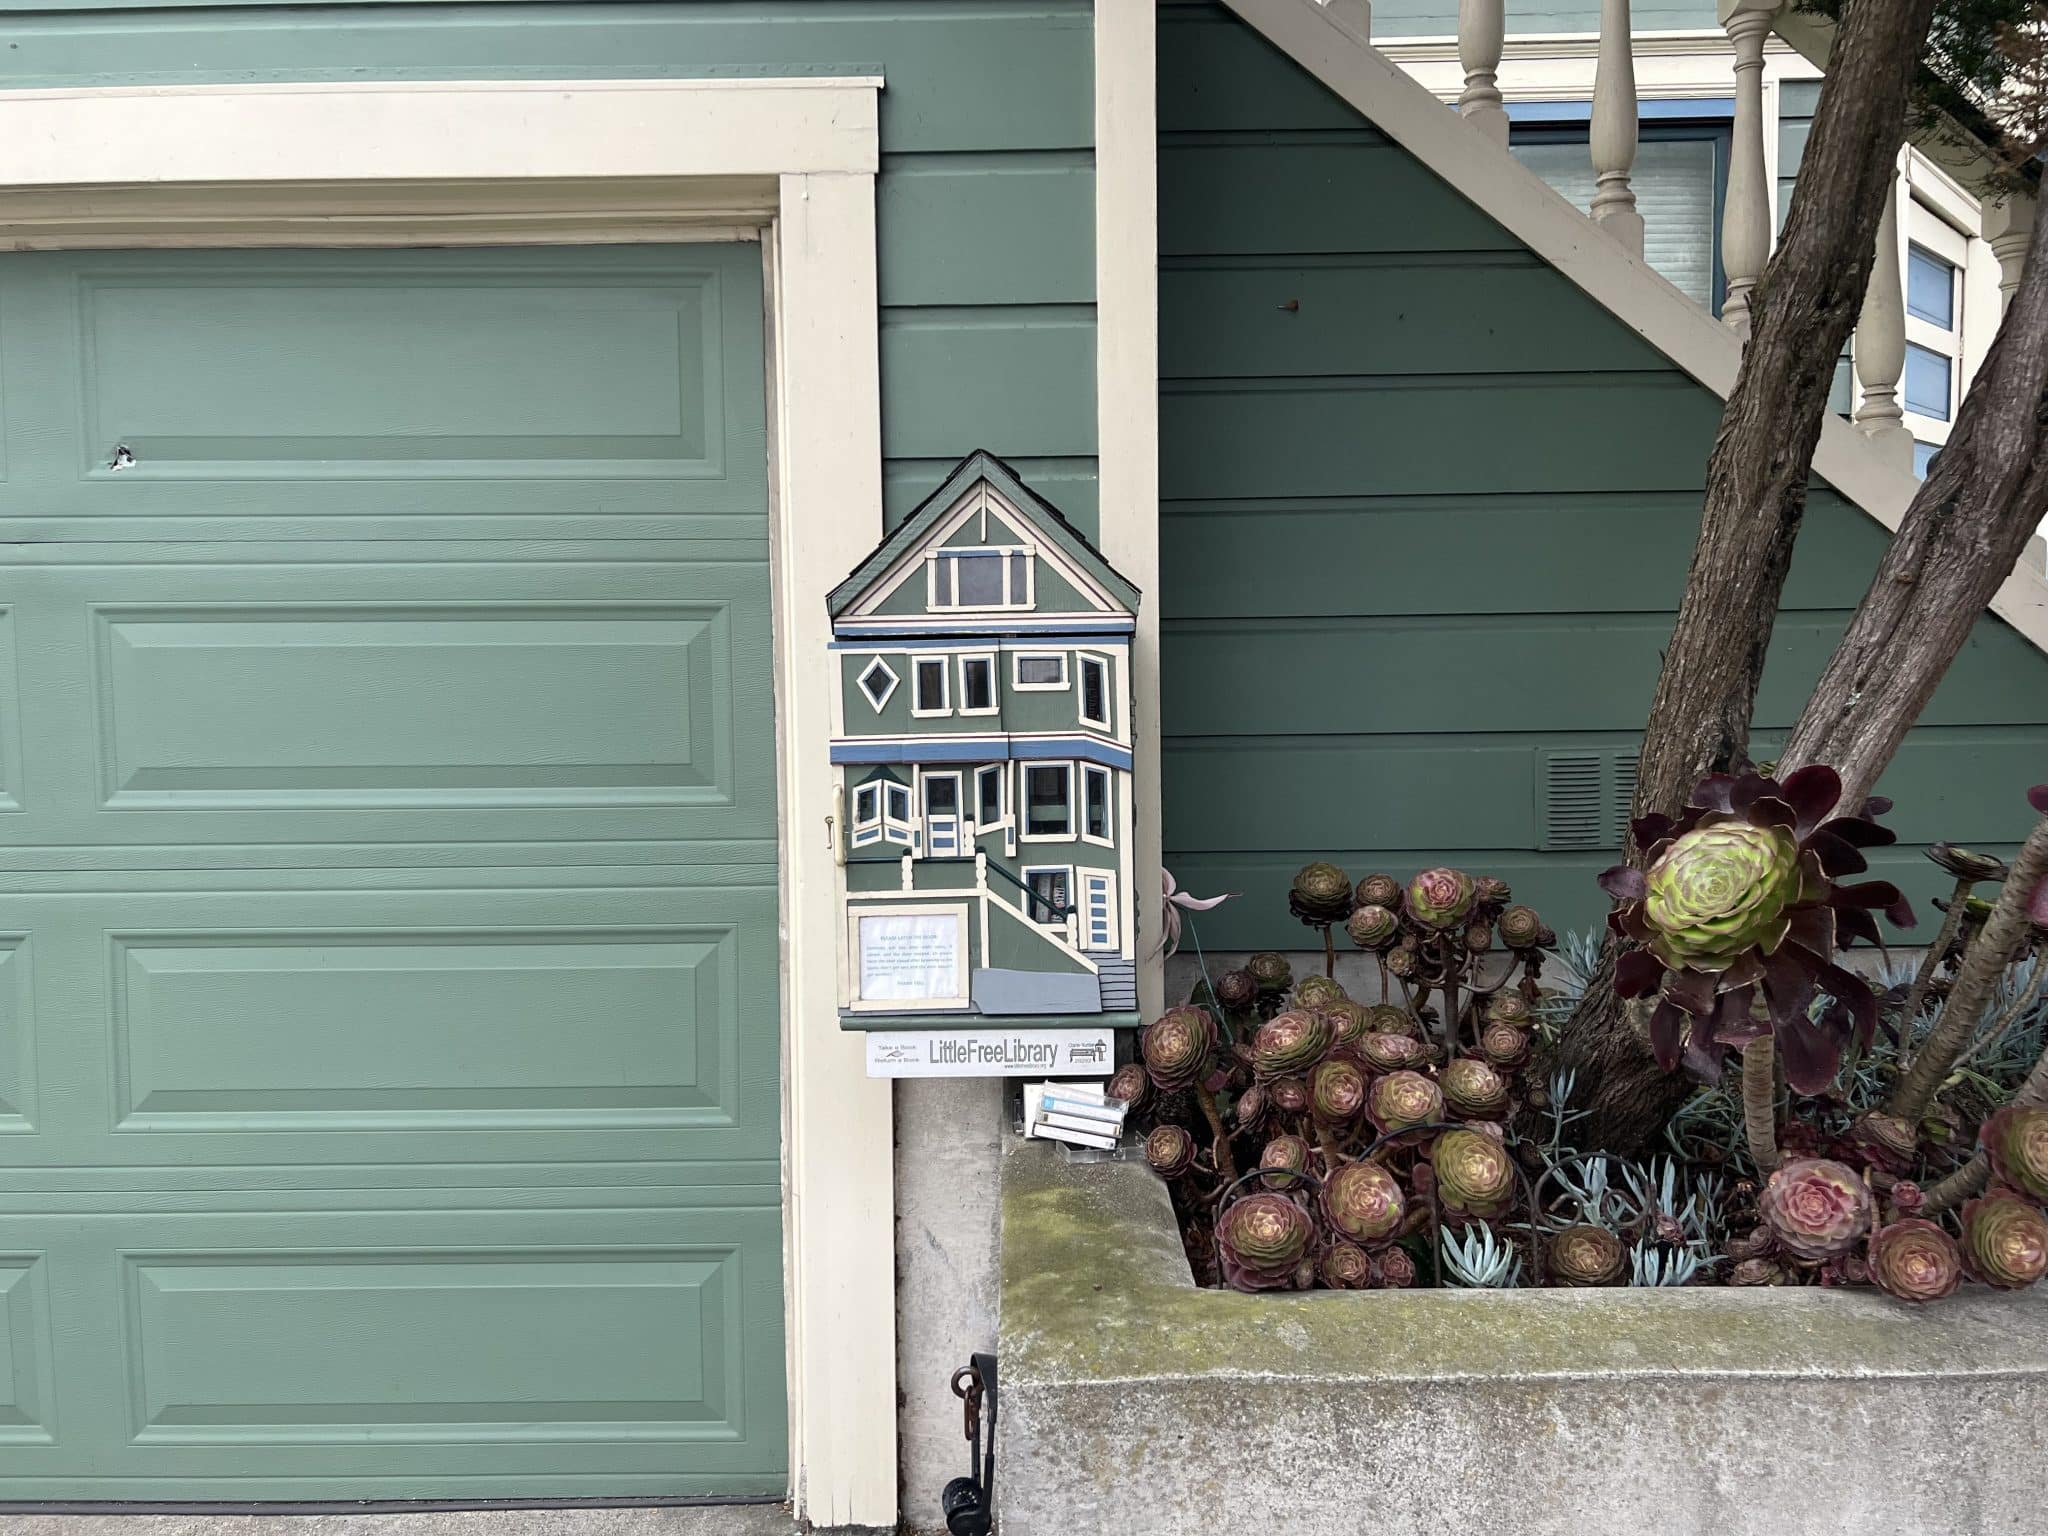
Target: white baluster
x,y
1613,135
2009,227
1881,343
1354,16
1746,222
1482,33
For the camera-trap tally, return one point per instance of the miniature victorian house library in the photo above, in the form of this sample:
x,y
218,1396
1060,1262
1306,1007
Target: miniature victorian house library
x,y
983,748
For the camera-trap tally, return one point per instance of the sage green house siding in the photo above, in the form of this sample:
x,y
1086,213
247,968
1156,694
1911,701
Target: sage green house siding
x,y
985,198
1427,516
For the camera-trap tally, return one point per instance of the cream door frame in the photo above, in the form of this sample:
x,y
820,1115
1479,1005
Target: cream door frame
x,y
790,162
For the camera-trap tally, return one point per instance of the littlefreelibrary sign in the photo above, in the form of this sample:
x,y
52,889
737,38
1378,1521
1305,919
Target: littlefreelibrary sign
x,y
991,1053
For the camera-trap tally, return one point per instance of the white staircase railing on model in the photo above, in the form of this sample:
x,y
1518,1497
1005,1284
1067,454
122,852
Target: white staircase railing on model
x,y
1746,224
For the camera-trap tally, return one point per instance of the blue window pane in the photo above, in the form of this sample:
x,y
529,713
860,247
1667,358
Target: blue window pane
x,y
1927,382
1923,458
1930,288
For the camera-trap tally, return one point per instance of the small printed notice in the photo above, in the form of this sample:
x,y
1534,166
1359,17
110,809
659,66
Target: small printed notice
x,y
911,957
991,1053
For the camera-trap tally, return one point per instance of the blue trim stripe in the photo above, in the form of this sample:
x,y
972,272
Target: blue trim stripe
x,y
1649,109
980,749
1032,642
967,630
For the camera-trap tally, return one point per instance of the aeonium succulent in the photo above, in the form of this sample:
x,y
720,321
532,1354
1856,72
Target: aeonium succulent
x,y
1237,989
1403,1100
1391,1019
1320,895
1373,927
1915,1260
1520,928
2015,1140
1505,1046
1379,891
1475,1177
1262,1241
1816,1208
2005,1240
1391,1053
1509,1008
1290,1043
1394,1269
1170,1150
1472,1089
1316,991
1740,899
1130,1084
1347,1019
1179,1047
1336,1092
1281,1157
1346,1267
1586,1255
1271,971
1440,898
1363,1203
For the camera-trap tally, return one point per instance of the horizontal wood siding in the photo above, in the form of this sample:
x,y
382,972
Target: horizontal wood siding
x,y
986,194
1428,511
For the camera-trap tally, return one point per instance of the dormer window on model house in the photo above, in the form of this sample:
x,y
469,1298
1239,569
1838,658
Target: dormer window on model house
x,y
983,748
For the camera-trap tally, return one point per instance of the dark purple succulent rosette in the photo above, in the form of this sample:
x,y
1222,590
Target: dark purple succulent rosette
x,y
1704,1001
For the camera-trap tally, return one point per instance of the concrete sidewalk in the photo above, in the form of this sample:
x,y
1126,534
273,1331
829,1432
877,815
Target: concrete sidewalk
x,y
719,1520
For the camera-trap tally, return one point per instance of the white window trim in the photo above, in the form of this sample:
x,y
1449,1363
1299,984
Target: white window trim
x,y
1025,834
995,689
788,161
1082,877
1928,229
917,665
1097,773
939,557
901,830
1017,660
867,828
888,693
1002,780
1026,871
1082,660
964,832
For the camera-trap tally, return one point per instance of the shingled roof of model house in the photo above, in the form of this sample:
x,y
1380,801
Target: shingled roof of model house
x,y
1046,518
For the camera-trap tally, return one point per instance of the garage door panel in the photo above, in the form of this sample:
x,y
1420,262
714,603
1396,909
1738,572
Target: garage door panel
x,y
389,701
349,1027
571,383
17,1036
341,1346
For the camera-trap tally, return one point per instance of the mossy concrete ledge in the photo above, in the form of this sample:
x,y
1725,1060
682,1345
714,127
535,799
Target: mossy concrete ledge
x,y
1132,1401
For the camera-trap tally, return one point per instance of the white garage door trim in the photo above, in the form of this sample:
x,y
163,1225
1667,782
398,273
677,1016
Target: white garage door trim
x,y
791,161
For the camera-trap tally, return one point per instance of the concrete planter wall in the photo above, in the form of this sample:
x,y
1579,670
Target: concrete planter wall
x,y
1133,1401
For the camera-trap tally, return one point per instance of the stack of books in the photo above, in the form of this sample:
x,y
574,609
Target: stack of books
x,y
1079,1114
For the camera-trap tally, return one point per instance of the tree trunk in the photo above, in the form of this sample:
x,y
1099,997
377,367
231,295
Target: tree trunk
x,y
1801,313
1987,492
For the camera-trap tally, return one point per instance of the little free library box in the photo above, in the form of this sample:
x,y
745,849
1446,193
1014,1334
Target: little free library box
x,y
983,749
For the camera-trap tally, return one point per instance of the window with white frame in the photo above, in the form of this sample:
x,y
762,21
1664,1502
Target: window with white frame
x,y
930,694
1052,888
978,685
1048,802
1095,692
990,812
992,577
1095,822
1039,671
881,813
878,683
1937,257
867,815
897,825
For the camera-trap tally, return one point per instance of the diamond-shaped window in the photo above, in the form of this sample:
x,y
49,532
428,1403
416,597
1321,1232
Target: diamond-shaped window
x,y
878,682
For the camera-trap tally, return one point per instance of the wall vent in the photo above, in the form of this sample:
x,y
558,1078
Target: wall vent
x,y
1623,790
1584,798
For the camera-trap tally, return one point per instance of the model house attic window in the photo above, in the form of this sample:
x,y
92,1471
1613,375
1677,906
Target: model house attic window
x,y
1095,692
1045,670
878,682
981,578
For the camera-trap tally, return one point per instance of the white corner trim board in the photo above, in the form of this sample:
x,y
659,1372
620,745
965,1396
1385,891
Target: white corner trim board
x,y
1404,110
790,162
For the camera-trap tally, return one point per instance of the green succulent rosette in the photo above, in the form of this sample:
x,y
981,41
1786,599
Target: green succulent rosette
x,y
1378,891
1345,1267
1392,1053
1336,1092
1816,1208
1520,927
1509,1008
1373,927
1179,1048
1719,891
1400,1101
1131,1084
1250,1108
1262,1241
1281,1157
1290,1043
1475,1177
1393,1269
1914,1260
1478,937
1170,1150
1363,1203
1472,1090
1504,1046
2015,1140
2005,1240
1270,971
1348,1021
1320,895
1441,898
1967,863
1290,1095
1586,1255
1237,989
1403,962
1317,992
1392,1019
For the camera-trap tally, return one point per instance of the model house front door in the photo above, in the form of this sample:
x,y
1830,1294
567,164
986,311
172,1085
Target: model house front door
x,y
1098,909
942,815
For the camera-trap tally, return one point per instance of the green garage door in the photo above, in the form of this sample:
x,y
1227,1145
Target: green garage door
x,y
388,1018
